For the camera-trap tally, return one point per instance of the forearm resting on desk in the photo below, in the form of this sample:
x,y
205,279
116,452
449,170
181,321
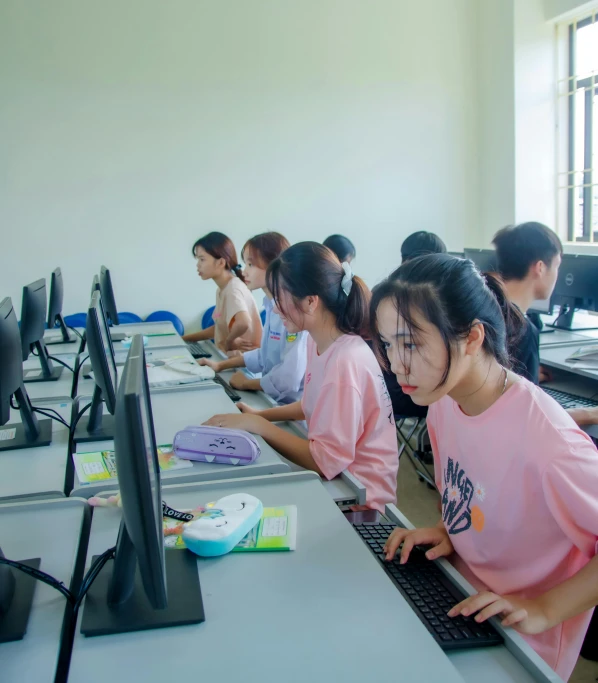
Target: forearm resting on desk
x,y
584,416
202,335
290,412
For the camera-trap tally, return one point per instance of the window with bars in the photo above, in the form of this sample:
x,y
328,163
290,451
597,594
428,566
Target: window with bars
x,y
578,110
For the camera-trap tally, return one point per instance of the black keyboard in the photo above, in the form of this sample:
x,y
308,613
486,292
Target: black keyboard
x,y
197,350
228,389
430,593
570,400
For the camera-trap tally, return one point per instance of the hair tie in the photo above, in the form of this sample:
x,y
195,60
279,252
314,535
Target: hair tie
x,y
237,268
347,281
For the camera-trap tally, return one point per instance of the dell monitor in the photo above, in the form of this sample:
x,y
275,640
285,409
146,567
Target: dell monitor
x,y
108,296
576,288
33,322
55,310
484,259
99,427
31,432
144,586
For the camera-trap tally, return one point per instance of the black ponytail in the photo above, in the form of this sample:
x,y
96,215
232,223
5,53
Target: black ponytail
x,y
311,269
452,295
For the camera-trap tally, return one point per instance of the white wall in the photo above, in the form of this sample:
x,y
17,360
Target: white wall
x,y
557,8
128,129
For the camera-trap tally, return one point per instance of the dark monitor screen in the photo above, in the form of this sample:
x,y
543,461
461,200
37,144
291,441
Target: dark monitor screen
x,y
95,284
577,280
108,296
33,315
139,473
11,366
56,298
484,259
101,352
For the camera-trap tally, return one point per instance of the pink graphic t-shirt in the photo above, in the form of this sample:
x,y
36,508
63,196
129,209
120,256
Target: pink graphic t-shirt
x,y
519,487
349,417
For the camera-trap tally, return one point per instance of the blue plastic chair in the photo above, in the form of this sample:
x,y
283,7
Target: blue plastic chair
x,y
76,320
128,318
166,316
207,319
263,316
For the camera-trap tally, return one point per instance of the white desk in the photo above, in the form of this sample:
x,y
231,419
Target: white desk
x,y
324,612
61,388
176,410
564,338
51,531
34,472
148,328
556,358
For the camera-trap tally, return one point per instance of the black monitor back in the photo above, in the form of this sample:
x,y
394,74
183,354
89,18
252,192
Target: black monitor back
x,y
33,316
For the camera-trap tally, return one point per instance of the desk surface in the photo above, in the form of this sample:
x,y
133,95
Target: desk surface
x,y
49,530
37,471
563,338
323,612
175,410
61,388
556,357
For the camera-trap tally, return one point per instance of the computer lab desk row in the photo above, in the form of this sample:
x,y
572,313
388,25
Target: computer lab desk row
x,y
324,612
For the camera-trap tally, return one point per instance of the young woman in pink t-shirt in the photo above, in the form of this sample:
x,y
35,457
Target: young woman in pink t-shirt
x,y
518,479
345,401
237,324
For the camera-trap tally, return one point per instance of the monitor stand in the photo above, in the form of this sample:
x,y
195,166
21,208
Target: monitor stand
x,y
30,432
122,606
65,336
47,372
565,320
98,426
16,598
117,336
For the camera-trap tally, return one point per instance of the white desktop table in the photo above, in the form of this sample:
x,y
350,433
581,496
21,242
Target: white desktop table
x,y
564,338
51,531
61,388
35,472
556,358
324,612
175,410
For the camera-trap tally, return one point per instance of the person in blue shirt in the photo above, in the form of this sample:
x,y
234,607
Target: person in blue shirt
x,y
282,356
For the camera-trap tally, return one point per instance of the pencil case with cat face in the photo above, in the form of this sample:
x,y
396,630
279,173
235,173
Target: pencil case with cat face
x,y
216,444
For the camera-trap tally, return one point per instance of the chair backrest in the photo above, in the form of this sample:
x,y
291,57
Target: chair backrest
x,y
167,316
128,318
207,319
263,316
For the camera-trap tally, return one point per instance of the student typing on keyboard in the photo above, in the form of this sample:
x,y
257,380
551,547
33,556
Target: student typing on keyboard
x,y
517,478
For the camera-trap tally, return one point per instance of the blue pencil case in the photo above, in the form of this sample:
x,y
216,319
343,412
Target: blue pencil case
x,y
229,520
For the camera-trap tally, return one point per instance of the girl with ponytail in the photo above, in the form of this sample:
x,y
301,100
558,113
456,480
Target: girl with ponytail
x,y
516,476
237,324
345,402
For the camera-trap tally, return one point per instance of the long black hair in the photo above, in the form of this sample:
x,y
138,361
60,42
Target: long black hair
x,y
452,295
341,246
311,269
218,245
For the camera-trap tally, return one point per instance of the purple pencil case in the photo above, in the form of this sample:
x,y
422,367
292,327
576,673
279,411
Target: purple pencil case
x,y
216,444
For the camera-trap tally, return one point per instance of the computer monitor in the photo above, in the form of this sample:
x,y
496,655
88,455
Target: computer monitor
x,y
99,427
33,322
55,310
108,296
32,432
484,259
16,597
576,288
145,586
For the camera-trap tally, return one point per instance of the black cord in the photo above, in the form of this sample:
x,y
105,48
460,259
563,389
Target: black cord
x,y
13,403
55,416
92,574
57,360
81,365
75,331
78,417
41,576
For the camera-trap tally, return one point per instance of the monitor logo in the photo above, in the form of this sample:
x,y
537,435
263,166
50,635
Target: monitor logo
x,y
569,279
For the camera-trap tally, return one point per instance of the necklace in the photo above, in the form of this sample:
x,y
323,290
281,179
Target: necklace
x,y
504,386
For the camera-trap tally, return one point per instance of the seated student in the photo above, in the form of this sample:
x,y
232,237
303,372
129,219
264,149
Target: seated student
x,y
341,246
517,478
237,322
529,256
345,403
417,244
282,355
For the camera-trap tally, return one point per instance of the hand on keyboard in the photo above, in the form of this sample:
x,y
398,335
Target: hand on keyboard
x,y
215,365
525,616
434,536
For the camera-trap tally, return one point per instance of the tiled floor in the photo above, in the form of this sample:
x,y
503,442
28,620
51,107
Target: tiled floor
x,y
420,505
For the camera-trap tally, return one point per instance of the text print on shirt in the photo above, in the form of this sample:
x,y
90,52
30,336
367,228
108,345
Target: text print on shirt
x,y
458,514
387,399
